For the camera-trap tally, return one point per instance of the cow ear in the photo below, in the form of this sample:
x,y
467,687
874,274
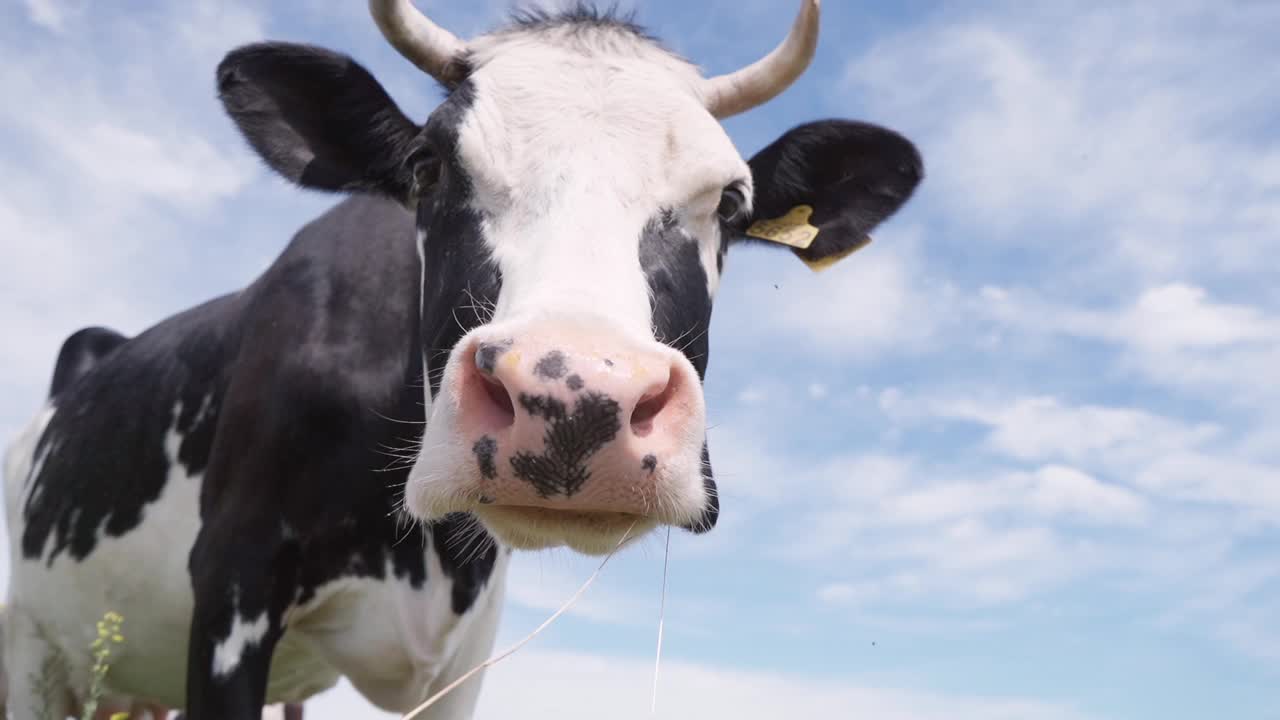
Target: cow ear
x,y
822,187
318,118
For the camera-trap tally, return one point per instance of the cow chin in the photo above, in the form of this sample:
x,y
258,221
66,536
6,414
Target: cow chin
x,y
446,481
590,533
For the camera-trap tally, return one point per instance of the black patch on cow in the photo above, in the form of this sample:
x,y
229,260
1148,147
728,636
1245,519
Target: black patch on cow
x,y
649,463
80,353
488,354
570,441
574,382
318,118
467,556
679,298
289,398
460,278
543,406
104,449
711,512
552,366
608,362
486,450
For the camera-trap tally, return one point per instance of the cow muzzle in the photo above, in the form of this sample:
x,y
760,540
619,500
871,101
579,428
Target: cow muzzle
x,y
569,434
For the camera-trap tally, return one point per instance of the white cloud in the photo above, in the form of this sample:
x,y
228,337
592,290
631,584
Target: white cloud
x,y
49,14
1162,319
1173,335
1056,490
1039,428
1252,487
921,530
1165,457
1130,132
113,160
1052,491
179,170
878,301
549,685
555,685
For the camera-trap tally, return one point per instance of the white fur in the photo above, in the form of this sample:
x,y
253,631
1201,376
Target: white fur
x,y
570,152
245,634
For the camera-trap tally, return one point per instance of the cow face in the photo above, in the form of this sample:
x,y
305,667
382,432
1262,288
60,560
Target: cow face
x,y
575,196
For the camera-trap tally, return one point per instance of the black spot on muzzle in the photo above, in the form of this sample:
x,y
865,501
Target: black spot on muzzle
x,y
486,449
570,441
552,366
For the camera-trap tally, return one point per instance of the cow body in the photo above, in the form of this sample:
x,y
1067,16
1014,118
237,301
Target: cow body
x,y
107,490
497,342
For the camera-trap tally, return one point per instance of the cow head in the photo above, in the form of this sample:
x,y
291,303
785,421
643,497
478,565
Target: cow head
x,y
575,196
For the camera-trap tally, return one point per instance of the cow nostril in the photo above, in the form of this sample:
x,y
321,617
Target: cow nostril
x,y
485,392
500,399
649,408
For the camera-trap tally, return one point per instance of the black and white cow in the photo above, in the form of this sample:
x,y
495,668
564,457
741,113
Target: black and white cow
x,y
518,290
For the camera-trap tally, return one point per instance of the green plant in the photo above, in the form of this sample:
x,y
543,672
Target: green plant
x,y
109,636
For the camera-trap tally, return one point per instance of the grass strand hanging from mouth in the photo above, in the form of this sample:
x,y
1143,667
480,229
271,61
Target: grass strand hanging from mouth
x,y
512,650
662,613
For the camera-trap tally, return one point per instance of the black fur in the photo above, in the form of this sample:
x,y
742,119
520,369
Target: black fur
x,y
318,118
80,353
679,296
486,449
580,16
104,453
551,366
571,439
463,277
853,174
711,513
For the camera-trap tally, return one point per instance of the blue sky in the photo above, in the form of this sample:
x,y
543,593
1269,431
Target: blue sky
x,y
1018,458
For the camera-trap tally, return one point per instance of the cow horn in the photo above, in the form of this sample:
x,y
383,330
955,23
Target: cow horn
x,y
760,82
425,44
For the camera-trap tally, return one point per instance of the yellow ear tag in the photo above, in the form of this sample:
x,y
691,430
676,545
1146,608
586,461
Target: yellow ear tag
x,y
823,263
791,229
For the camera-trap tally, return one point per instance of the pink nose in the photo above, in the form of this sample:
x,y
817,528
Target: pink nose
x,y
573,422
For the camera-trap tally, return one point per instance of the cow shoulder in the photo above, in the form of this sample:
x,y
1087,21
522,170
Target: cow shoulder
x,y
325,375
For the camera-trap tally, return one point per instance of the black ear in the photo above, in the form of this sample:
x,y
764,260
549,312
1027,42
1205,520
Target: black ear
x,y
853,175
318,118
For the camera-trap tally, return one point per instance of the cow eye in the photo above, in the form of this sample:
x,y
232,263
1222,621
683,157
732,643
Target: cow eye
x,y
426,168
426,174
733,205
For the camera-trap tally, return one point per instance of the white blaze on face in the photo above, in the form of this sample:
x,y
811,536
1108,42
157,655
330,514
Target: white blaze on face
x,y
571,151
